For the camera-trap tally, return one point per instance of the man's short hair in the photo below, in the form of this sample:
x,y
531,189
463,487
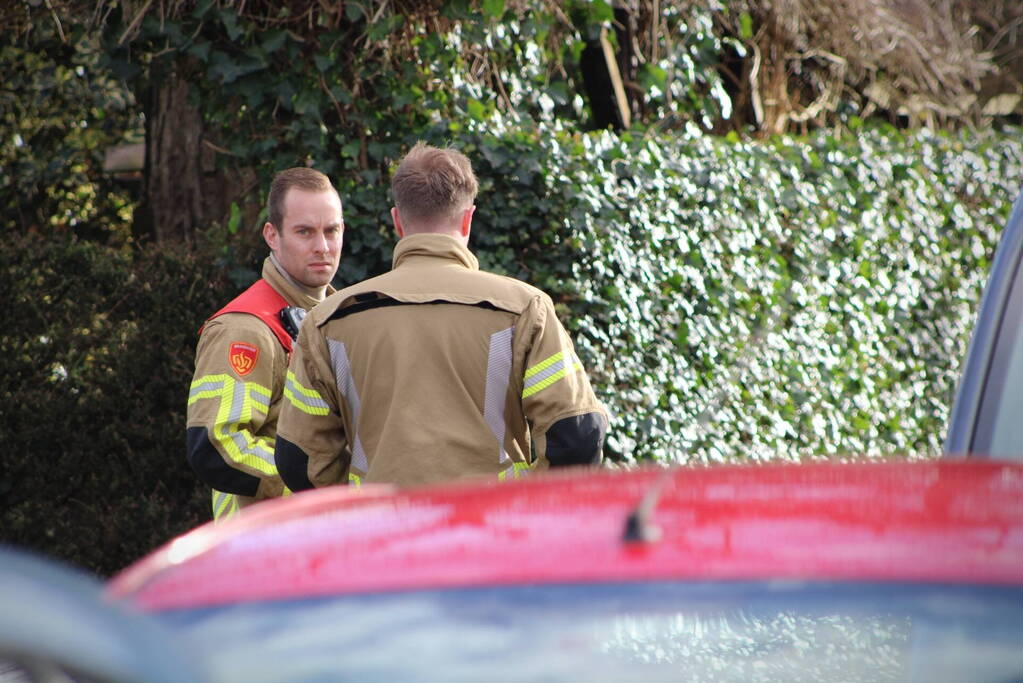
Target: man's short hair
x,y
300,177
433,183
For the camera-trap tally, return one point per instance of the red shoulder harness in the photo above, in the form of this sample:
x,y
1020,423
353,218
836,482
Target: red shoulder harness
x,y
262,301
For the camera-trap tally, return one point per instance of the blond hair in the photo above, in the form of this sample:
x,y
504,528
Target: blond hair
x,y
433,184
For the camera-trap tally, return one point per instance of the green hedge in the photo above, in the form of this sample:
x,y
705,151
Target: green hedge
x,y
732,301
746,301
96,358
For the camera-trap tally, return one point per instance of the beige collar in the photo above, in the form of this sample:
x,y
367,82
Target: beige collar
x,y
425,245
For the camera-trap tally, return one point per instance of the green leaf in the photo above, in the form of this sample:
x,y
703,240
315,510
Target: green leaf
x,y
272,40
745,26
323,62
559,93
493,9
354,11
235,220
476,110
651,75
309,102
230,21
351,149
200,50
202,8
600,12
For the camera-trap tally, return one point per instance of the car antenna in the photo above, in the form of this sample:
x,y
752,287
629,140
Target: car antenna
x,y
638,526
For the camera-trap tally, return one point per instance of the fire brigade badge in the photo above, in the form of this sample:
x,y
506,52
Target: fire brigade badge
x,y
243,357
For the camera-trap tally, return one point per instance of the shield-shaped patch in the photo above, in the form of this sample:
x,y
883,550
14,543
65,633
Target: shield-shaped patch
x,y
243,357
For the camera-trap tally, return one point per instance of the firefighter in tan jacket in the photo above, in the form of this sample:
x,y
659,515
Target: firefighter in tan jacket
x,y
242,356
436,370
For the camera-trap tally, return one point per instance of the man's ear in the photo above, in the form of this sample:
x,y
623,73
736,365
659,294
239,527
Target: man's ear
x,y
270,236
467,220
397,222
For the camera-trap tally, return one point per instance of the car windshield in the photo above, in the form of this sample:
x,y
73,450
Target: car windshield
x,y
658,631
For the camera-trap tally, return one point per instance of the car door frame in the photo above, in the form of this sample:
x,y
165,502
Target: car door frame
x,y
1001,305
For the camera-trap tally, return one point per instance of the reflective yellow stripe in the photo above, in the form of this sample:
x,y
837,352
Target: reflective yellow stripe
x,y
354,480
547,372
239,444
307,400
259,395
224,505
224,386
207,386
517,470
546,363
239,402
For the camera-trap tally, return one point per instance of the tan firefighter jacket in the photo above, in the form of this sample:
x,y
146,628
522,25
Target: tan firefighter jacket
x,y
434,371
234,400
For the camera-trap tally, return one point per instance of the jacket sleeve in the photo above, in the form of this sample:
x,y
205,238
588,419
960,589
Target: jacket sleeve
x,y
569,423
312,445
229,444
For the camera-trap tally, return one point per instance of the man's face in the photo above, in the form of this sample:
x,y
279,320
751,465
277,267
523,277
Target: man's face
x,y
308,244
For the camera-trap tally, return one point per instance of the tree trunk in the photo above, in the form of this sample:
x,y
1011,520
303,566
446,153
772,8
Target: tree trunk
x,y
172,205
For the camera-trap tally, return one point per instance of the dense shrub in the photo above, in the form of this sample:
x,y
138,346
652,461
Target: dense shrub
x,y
732,301
757,301
96,362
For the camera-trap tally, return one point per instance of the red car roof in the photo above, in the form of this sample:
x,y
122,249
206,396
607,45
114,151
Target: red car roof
x,y
939,521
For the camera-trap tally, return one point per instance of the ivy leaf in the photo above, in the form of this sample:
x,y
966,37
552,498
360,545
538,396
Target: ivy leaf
x,y
476,110
350,150
235,219
323,62
559,93
745,26
308,102
354,11
200,50
385,27
273,40
600,12
201,8
493,9
230,21
653,76
228,70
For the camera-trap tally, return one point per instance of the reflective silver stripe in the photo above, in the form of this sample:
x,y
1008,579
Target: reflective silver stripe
x,y
499,363
259,397
250,446
237,403
208,385
549,375
346,387
244,444
306,400
221,503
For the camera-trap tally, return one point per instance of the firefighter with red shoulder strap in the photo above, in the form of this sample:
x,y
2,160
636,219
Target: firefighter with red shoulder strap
x,y
242,357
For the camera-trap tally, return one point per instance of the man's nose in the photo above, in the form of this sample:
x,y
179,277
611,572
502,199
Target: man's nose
x,y
322,243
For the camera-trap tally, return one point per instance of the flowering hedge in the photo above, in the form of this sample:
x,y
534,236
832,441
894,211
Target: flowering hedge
x,y
749,301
